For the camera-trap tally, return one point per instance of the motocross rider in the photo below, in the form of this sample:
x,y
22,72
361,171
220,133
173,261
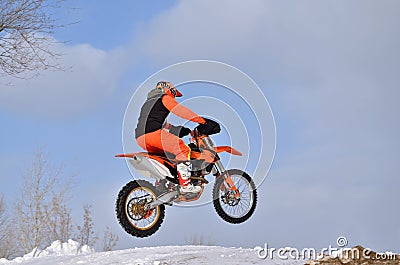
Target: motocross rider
x,y
154,134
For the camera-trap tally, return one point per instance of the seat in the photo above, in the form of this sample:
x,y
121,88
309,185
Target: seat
x,y
163,154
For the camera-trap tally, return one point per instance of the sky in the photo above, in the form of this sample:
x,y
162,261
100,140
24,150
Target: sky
x,y
330,72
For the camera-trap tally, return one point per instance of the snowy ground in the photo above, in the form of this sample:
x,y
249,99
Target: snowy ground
x,y
70,253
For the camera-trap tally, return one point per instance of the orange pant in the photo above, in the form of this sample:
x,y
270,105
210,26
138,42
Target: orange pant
x,y
161,140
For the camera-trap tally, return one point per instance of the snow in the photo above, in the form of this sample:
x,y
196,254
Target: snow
x,y
57,248
70,253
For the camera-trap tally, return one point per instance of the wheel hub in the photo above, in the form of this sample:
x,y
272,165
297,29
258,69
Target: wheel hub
x,y
229,198
137,210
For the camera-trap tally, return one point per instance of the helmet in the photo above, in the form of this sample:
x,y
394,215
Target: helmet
x,y
168,88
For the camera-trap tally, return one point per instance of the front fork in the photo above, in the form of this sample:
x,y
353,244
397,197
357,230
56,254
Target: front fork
x,y
227,179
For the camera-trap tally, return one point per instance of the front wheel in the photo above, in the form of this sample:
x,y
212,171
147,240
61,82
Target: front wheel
x,y
235,210
132,209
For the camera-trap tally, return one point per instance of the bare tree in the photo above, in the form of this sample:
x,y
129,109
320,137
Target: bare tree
x,y
110,240
3,219
194,240
26,29
8,246
41,206
86,234
59,222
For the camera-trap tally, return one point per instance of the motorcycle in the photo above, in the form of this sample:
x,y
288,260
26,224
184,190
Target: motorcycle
x,y
140,205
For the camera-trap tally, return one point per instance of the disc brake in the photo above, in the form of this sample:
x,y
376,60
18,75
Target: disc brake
x,y
138,207
229,198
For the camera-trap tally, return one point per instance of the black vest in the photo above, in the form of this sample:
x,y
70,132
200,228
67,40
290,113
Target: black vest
x,y
152,116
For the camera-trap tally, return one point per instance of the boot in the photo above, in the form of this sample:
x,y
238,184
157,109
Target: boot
x,y
184,178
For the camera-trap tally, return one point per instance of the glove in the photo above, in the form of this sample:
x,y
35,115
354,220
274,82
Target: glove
x,y
209,127
180,131
184,131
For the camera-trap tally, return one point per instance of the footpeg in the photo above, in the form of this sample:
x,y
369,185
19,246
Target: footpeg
x,y
202,179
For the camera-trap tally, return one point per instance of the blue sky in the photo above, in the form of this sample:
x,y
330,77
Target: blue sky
x,y
329,69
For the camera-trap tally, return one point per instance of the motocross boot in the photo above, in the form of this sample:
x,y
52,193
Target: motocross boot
x,y
184,174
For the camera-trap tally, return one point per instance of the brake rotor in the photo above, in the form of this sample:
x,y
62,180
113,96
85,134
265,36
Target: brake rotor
x,y
136,210
229,198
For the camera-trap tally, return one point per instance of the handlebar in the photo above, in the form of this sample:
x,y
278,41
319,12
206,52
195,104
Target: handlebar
x,y
208,128
194,133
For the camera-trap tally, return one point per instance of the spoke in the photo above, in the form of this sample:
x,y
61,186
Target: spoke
x,y
238,184
136,197
246,196
242,206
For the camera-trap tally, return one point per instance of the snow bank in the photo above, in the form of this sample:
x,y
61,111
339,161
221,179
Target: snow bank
x,y
70,254
57,248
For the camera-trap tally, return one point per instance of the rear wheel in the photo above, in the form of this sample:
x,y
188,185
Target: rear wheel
x,y
235,210
132,209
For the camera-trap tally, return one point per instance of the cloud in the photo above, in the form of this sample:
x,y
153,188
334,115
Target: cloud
x,y
329,68
88,77
281,35
201,30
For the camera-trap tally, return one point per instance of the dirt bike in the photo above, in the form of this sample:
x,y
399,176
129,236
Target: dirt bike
x,y
140,206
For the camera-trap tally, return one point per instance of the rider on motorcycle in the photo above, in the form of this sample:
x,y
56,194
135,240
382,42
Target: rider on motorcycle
x,y
154,134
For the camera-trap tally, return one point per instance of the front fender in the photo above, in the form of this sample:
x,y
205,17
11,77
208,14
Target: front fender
x,y
228,149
